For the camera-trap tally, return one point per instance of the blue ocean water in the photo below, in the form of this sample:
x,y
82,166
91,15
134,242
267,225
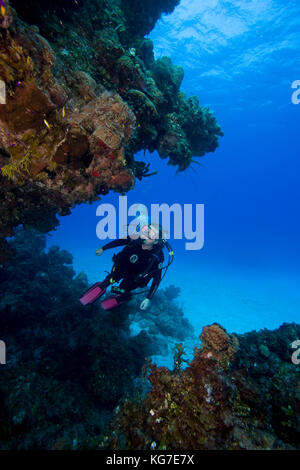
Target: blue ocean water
x,y
240,58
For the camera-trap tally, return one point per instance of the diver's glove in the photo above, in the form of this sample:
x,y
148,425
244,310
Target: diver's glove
x,y
99,251
145,304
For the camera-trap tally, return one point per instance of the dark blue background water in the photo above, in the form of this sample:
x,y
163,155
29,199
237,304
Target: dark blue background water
x,y
240,58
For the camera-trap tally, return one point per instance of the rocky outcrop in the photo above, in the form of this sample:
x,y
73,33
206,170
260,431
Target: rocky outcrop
x,y
239,392
83,94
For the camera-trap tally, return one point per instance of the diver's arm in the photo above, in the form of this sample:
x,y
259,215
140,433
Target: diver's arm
x,y
155,283
116,243
156,278
113,244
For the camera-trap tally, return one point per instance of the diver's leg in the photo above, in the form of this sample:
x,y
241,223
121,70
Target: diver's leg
x,y
128,284
115,275
131,283
93,293
98,289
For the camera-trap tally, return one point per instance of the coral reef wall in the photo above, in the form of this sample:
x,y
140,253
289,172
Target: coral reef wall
x,y
67,365
83,94
239,392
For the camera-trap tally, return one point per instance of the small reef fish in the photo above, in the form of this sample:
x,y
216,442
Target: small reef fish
x,y
47,124
63,112
2,8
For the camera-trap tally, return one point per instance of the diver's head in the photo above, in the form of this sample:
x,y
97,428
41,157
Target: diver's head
x,y
151,234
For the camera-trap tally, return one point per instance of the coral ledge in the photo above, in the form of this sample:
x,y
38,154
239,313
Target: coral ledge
x,y
83,95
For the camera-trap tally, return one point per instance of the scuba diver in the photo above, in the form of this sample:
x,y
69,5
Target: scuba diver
x,y
140,261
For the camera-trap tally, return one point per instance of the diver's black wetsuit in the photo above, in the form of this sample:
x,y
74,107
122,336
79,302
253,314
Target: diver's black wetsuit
x,y
135,265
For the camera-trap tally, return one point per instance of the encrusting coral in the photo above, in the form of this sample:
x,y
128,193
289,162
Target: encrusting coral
x,y
216,403
83,94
